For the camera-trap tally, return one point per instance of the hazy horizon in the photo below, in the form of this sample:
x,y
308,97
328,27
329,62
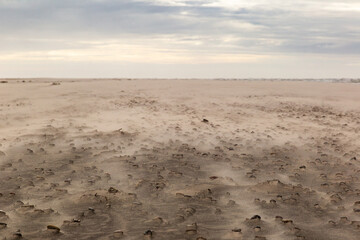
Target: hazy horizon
x,y
179,39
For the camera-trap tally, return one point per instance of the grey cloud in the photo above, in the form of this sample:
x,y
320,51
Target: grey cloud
x,y
293,30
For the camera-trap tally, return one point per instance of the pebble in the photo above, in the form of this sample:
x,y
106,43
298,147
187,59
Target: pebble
x,y
113,190
191,229
3,225
68,180
255,217
2,213
148,234
257,229
53,228
17,234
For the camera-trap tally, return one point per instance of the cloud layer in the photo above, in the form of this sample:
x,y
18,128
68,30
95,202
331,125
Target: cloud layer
x,y
180,32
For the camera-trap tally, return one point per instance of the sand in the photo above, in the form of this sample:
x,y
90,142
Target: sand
x,y
179,159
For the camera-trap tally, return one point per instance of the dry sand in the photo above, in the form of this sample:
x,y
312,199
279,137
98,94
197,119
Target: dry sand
x,y
179,159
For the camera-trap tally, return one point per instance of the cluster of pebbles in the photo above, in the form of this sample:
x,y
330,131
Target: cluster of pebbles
x,y
170,192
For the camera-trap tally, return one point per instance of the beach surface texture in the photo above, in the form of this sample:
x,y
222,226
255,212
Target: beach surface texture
x,y
179,159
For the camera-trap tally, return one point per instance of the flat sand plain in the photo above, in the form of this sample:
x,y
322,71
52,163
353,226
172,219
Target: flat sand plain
x,y
179,159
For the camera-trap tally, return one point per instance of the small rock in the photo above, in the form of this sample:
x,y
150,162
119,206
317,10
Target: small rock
x,y
218,211
30,151
189,211
53,228
191,229
3,225
148,233
331,222
68,180
27,206
2,213
257,229
113,190
231,203
17,234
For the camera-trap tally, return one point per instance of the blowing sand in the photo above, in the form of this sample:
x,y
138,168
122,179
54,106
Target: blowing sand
x,y
179,159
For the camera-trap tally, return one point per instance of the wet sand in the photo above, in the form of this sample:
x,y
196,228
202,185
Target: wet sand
x,y
179,159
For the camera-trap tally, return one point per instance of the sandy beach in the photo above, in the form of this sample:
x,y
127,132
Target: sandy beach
x,y
179,159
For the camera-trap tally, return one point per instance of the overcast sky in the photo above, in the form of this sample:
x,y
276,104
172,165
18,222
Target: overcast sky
x,y
180,38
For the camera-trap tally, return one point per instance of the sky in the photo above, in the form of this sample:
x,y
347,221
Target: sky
x,y
180,38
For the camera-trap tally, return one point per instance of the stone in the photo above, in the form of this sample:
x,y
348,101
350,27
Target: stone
x,y
53,229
